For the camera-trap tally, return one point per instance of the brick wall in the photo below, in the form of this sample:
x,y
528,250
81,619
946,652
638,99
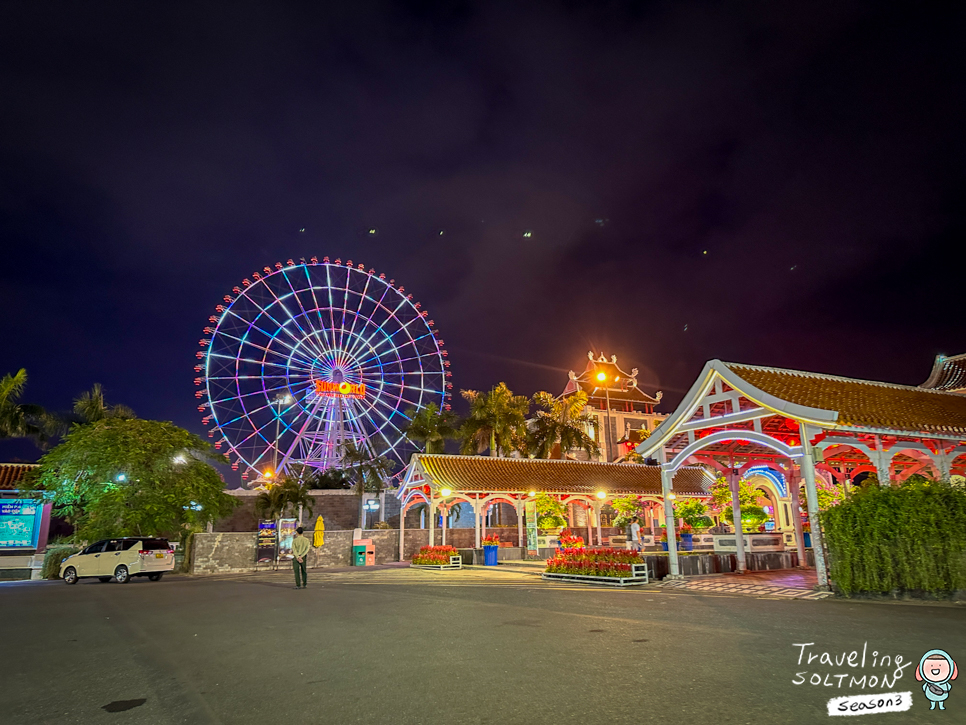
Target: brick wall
x,y
339,509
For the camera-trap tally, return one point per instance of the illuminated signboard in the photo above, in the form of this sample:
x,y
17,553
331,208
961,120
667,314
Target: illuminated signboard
x,y
19,523
340,390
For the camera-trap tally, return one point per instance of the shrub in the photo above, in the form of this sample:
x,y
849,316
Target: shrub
x,y
54,558
491,540
906,538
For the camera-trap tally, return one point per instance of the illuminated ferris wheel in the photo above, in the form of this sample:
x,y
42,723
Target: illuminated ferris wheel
x,y
307,356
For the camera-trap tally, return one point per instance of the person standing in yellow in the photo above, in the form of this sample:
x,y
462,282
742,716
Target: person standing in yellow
x,y
300,553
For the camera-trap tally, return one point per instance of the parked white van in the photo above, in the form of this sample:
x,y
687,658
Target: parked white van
x,y
121,559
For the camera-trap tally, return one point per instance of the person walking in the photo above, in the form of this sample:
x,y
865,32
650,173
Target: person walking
x,y
635,539
300,553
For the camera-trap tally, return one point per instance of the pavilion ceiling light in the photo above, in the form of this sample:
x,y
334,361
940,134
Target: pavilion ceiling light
x,y
445,492
601,495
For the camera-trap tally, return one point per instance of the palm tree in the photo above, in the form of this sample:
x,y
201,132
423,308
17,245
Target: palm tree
x,y
497,420
431,427
369,471
21,420
288,492
561,421
90,407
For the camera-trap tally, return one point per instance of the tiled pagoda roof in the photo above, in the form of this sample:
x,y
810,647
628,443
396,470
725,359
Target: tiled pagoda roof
x,y
12,473
486,473
862,403
948,373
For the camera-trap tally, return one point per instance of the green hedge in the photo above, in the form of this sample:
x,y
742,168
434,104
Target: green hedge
x,y
54,558
898,538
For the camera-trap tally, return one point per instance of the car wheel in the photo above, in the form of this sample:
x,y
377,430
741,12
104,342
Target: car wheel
x,y
122,575
155,577
70,575
104,579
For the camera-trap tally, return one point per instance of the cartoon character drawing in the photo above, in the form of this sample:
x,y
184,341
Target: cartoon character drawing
x,y
936,669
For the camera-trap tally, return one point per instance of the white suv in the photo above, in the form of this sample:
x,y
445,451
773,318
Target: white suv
x,y
121,559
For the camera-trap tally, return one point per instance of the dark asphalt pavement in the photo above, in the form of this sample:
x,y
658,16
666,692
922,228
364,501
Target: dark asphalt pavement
x,y
403,646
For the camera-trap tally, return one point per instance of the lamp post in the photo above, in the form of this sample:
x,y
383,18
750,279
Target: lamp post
x,y
602,377
279,400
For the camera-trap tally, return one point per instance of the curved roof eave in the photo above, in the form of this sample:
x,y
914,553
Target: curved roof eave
x,y
716,368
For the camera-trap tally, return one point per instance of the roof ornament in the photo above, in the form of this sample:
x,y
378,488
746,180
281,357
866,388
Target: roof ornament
x,y
590,355
601,358
572,374
634,377
658,395
613,359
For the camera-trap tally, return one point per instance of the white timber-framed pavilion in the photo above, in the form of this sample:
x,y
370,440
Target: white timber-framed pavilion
x,y
805,426
440,481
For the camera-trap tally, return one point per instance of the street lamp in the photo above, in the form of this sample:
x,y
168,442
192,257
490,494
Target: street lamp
x,y
602,377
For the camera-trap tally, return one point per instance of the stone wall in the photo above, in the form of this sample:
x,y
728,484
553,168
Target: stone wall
x,y
226,552
223,552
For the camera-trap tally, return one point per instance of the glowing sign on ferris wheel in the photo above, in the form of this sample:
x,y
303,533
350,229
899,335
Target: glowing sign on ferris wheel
x,y
340,390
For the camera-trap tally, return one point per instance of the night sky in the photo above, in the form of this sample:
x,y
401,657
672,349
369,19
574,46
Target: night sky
x,y
772,183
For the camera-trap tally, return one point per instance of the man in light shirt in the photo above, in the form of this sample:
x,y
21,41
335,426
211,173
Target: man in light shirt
x,y
635,534
300,553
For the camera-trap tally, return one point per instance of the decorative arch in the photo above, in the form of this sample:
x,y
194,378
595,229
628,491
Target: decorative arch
x,y
733,435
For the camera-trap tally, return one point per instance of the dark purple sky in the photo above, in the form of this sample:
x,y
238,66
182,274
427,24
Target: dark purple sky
x,y
154,154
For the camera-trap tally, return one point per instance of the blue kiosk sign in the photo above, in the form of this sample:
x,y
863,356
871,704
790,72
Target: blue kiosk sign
x,y
20,523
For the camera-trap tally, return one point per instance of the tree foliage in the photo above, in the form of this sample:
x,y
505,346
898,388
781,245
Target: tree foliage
x,y
369,472
289,493
497,421
431,427
90,407
692,511
910,537
22,420
550,512
130,477
561,421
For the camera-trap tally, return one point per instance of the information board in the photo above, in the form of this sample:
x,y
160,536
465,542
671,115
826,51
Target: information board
x,y
267,543
286,532
20,523
530,510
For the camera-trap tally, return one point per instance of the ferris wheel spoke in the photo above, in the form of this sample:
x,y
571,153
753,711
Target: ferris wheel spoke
x,y
307,339
390,314
264,312
318,311
357,315
305,314
271,336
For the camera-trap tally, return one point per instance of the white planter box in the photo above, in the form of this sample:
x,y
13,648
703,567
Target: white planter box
x,y
455,562
639,575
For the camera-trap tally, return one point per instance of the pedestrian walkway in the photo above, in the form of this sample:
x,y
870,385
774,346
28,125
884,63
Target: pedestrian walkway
x,y
784,583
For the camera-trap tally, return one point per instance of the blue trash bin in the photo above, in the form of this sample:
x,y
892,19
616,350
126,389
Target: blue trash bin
x,y
490,555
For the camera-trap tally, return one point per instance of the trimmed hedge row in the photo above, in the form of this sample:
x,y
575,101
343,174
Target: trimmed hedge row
x,y
54,558
908,538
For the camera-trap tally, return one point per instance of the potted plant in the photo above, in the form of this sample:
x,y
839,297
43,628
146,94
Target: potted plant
x,y
569,541
664,540
687,541
491,548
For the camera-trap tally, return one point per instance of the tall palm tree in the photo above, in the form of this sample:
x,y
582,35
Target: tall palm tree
x,y
22,420
561,421
368,470
90,407
431,427
497,420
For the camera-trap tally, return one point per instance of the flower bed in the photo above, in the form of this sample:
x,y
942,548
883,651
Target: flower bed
x,y
594,562
434,556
